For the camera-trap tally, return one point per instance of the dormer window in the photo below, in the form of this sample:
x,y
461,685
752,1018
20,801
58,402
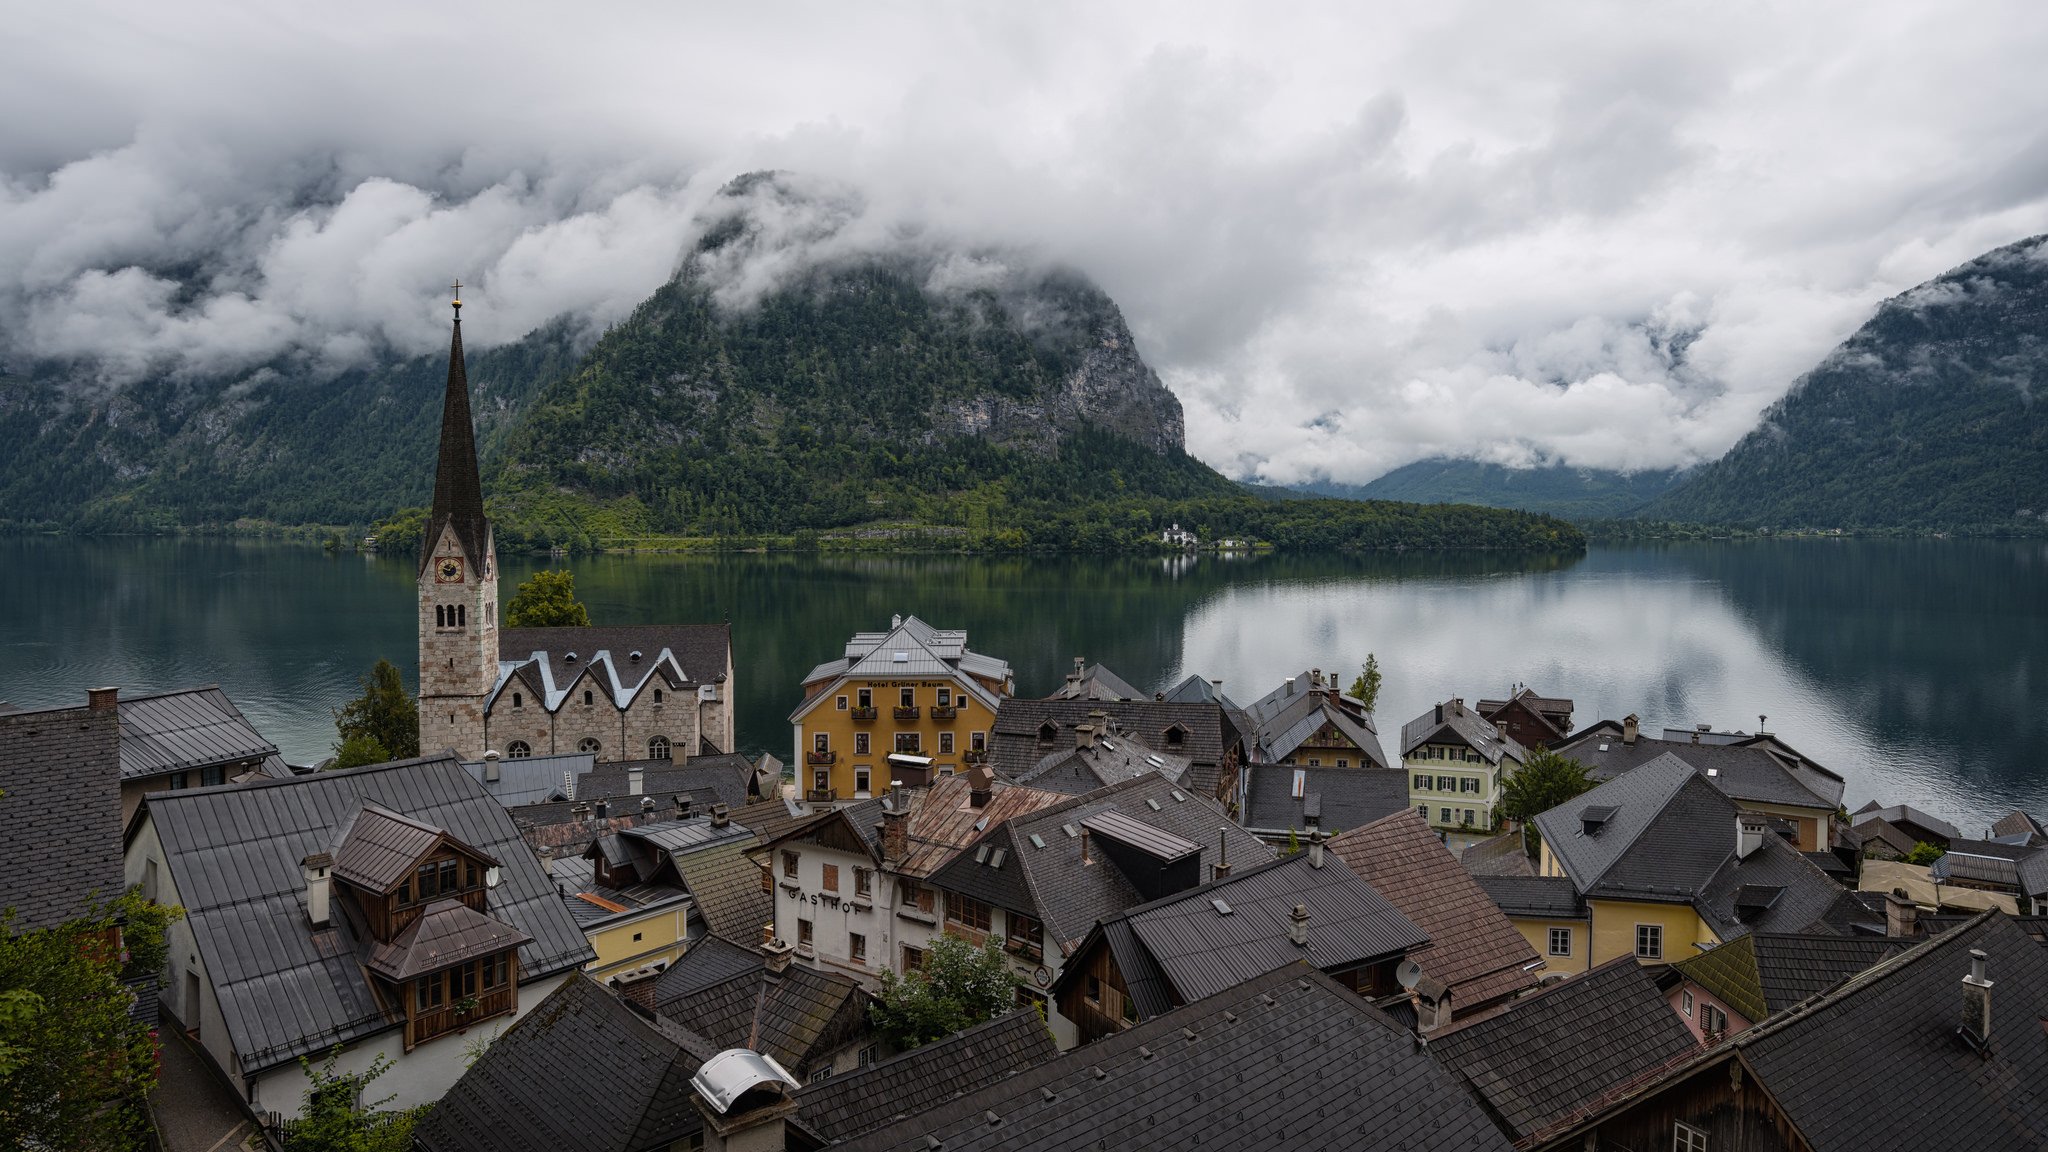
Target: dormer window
x,y
1048,732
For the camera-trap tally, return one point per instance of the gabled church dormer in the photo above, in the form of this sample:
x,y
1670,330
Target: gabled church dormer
x,y
458,582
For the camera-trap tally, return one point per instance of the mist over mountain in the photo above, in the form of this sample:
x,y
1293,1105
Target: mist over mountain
x,y
1557,489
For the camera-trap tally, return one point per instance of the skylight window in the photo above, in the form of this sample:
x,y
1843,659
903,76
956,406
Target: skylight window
x,y
995,859
981,854
1152,804
1222,908
1179,797
1037,841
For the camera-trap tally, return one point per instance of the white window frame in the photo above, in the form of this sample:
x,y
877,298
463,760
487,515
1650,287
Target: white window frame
x,y
1686,1138
1685,1003
1658,930
1552,942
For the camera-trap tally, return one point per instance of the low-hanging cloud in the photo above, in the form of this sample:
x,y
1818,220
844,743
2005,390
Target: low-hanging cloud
x,y
1348,239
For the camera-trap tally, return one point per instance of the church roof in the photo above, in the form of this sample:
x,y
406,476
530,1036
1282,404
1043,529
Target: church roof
x,y
458,493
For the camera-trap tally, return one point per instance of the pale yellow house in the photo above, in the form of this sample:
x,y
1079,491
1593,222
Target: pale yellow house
x,y
1666,865
1456,763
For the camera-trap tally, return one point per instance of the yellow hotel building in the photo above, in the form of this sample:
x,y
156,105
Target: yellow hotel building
x,y
911,704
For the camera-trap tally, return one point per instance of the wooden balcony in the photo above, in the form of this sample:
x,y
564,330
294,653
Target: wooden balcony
x,y
816,757
864,715
944,712
822,795
909,713
424,1026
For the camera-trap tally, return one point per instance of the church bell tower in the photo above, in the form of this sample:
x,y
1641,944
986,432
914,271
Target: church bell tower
x,y
458,582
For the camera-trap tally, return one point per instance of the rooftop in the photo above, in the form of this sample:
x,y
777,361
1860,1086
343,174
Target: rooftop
x,y
1280,798
1757,770
1762,973
721,991
1026,730
891,1091
192,728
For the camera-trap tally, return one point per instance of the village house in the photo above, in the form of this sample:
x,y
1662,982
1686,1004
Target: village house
x,y
1551,916
1475,959
1456,763
2017,870
1283,803
1902,825
1936,1047
912,703
1729,987
1095,682
1308,722
815,1024
643,895
190,738
1331,1071
1528,719
1102,754
1667,864
1027,731
657,692
382,911
1306,908
1039,881
1761,773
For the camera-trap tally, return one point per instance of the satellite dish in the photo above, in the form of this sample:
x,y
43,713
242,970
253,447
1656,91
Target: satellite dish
x,y
491,877
1409,974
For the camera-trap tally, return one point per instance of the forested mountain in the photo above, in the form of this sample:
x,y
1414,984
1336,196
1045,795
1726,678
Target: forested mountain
x,y
1929,417
1557,489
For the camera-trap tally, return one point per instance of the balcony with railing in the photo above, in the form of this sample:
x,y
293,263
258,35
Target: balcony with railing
x,y
865,715
424,1026
816,756
909,713
975,756
944,711
822,795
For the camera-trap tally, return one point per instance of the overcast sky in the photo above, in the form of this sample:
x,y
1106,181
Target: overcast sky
x,y
1606,234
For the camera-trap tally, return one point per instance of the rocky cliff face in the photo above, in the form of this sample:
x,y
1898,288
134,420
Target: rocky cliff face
x,y
1109,390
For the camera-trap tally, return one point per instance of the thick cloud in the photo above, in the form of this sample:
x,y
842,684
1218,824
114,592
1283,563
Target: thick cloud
x,y
1602,234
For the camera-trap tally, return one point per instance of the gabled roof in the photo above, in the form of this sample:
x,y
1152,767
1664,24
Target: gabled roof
x,y
615,663
1205,733
1666,835
1543,709
542,1086
1051,883
1906,817
1114,757
2023,867
1547,1056
1534,897
1233,1071
853,1104
795,1016
1472,946
910,648
191,728
1453,723
60,809
1195,690
944,820
533,779
1766,972
2020,823
1097,682
376,849
725,883
725,779
1502,855
286,989
1199,949
1340,798
1287,716
1749,771
1773,889
448,932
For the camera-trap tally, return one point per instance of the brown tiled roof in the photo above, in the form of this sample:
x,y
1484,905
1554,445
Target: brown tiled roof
x,y
1472,946
1501,856
943,820
726,884
448,932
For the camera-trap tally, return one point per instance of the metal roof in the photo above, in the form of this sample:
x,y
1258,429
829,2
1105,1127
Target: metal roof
x,y
377,848
533,779
1349,797
1154,842
448,932
733,1073
286,989
191,728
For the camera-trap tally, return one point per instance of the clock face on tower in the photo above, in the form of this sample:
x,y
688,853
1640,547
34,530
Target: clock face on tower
x,y
448,570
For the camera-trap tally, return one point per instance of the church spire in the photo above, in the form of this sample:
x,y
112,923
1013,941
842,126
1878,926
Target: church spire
x,y
458,493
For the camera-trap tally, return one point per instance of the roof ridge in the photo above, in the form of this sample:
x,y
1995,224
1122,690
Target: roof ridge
x,y
161,693
1864,979
1691,774
447,757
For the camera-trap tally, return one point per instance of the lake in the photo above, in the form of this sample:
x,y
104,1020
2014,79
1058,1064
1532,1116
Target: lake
x,y
1916,669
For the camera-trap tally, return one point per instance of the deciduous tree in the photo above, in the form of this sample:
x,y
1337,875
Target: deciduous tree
x,y
1543,783
958,987
547,599
1366,689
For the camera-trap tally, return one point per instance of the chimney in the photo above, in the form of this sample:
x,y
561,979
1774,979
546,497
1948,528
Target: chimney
x,y
647,807
604,810
315,869
547,859
1630,726
896,824
1080,665
979,790
896,621
1439,713
636,780
682,806
1315,848
580,812
775,954
1457,705
1297,925
490,767
1084,735
1222,869
1218,685
1290,686
1086,858
1695,735
721,816
1315,677
637,985
745,1102
1749,835
1760,718
103,699
1977,1002
1901,915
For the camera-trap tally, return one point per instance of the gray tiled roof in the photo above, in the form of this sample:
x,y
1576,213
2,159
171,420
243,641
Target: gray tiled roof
x,y
1566,1047
910,648
1534,897
532,779
1195,690
286,989
539,657
1907,817
581,1070
1741,771
1052,884
1285,717
796,1017
60,810
1453,722
720,779
853,1104
1669,833
1799,895
1767,972
192,728
1014,746
1346,798
1233,1071
1097,682
1114,758
1201,950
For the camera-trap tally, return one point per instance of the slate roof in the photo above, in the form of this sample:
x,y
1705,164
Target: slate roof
x,y
675,656
795,1017
1115,757
1540,708
1195,690
1290,714
1767,972
458,493
1741,771
533,779
1901,1078
1014,746
925,651
60,810
2020,823
1053,885
1192,949
725,778
1453,723
1534,897
725,883
1232,1071
1774,889
1472,946
286,989
448,932
192,728
853,1104
1884,831
1097,682
579,1070
1550,1055
1906,818
1340,798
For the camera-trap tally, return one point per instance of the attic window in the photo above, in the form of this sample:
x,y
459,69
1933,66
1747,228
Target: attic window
x,y
1603,747
1048,732
1037,841
1222,908
1175,735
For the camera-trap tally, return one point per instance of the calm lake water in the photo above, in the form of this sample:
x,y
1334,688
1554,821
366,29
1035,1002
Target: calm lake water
x,y
1917,669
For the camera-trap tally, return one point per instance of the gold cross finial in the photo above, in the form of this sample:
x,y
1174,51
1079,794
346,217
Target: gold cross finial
x,y
457,289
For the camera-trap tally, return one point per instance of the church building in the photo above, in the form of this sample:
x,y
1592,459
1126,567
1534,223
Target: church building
x,y
642,692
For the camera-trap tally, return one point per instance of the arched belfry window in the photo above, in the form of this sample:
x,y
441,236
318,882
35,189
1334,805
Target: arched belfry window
x,y
658,748
519,750
440,616
462,616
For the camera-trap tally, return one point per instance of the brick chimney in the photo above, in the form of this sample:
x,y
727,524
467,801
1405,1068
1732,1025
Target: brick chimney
x,y
103,699
775,954
637,985
896,824
1901,915
1630,727
315,869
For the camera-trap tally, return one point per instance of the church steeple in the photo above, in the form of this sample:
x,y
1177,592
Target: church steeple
x,y
458,493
